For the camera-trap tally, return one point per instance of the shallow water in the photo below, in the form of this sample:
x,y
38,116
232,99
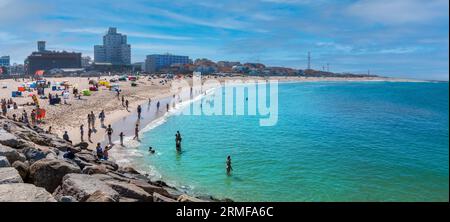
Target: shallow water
x,y
353,141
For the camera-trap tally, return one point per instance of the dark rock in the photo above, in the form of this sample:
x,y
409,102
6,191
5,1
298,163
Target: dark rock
x,y
95,169
87,156
23,192
186,198
82,186
9,139
67,199
11,154
128,169
9,175
149,188
82,145
130,191
109,165
100,196
23,169
33,154
49,173
129,200
160,198
4,162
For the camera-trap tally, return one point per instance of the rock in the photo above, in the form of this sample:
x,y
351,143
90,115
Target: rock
x,y
95,169
23,192
160,198
186,198
33,154
9,139
128,169
83,186
67,199
130,191
82,145
109,165
11,154
9,175
23,169
49,173
129,200
100,196
149,188
87,156
4,162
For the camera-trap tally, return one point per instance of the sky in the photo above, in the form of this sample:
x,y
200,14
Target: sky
x,y
397,38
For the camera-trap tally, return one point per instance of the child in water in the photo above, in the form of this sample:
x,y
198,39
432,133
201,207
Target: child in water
x,y
151,150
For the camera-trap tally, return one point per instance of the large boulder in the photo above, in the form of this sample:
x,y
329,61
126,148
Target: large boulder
x,y
83,186
186,198
11,154
33,154
160,198
130,191
4,162
9,175
82,145
149,188
100,196
48,173
109,165
87,156
23,168
23,192
95,169
11,140
67,199
128,169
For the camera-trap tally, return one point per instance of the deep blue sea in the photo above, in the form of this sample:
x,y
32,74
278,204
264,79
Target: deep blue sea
x,y
334,141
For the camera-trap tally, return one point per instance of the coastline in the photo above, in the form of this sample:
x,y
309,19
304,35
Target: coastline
x,y
69,118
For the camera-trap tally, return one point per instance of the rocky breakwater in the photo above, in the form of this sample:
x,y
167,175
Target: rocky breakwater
x,y
33,169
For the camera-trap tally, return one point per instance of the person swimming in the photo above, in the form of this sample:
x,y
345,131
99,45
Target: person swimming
x,y
151,150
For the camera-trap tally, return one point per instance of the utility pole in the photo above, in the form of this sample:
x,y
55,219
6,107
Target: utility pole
x,y
328,67
309,60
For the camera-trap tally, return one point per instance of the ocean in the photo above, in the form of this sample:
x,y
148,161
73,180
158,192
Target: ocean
x,y
333,141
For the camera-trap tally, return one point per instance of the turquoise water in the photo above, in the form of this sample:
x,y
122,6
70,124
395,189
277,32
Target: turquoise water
x,y
354,141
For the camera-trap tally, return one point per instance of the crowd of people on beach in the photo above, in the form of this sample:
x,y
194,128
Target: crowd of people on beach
x,y
101,151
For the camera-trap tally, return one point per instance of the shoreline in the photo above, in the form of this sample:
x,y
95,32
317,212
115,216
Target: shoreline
x,y
116,114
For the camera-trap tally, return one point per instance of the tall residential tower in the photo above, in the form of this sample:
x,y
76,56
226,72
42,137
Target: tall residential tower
x,y
114,50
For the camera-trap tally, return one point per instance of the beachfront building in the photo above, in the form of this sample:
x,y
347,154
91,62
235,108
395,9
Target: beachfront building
x,y
156,62
5,61
114,50
47,60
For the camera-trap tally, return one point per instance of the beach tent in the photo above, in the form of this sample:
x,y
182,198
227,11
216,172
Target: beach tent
x,y
39,72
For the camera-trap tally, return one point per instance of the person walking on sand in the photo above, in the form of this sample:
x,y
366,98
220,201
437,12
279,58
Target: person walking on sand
x,y
102,117
109,131
136,132
82,132
139,110
93,120
167,107
157,105
33,117
121,135
228,167
89,135
123,100
89,120
126,105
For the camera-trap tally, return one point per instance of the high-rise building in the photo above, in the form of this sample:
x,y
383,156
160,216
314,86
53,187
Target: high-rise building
x,y
5,61
47,60
156,62
114,50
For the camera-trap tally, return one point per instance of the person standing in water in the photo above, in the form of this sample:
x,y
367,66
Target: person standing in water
x,y
178,141
139,110
157,105
228,167
167,106
121,135
109,131
136,132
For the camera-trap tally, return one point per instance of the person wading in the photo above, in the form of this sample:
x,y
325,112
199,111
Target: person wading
x,y
109,131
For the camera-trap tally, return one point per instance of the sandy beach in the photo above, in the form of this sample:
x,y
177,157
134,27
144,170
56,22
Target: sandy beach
x,y
69,117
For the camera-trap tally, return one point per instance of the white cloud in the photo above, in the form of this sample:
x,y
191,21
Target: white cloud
x,y
98,31
397,12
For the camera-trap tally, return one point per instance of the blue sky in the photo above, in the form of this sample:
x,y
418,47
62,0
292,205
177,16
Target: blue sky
x,y
400,38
